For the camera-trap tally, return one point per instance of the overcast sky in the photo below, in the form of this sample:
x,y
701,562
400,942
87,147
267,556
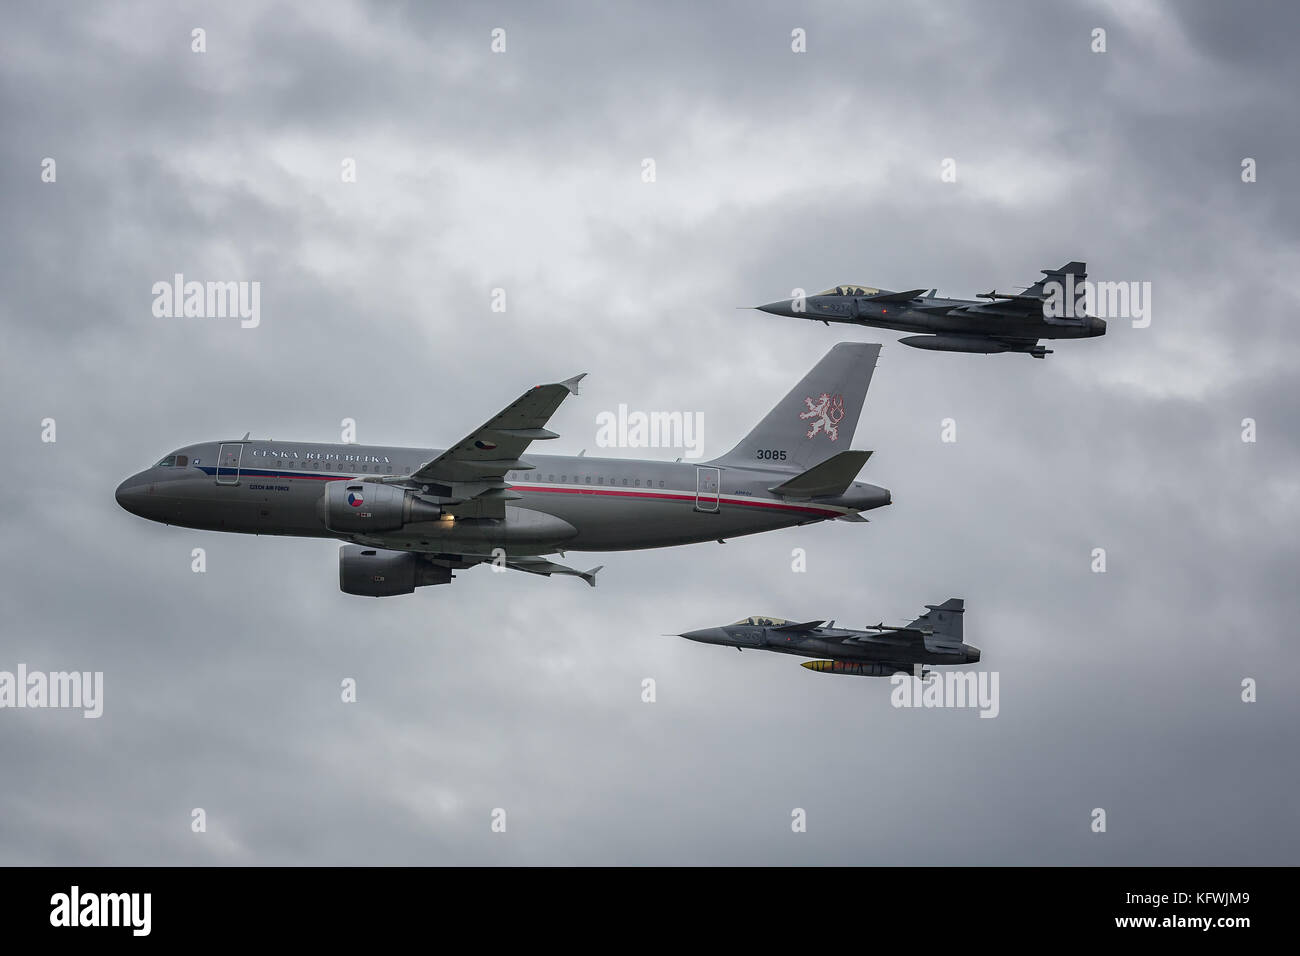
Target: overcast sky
x,y
522,170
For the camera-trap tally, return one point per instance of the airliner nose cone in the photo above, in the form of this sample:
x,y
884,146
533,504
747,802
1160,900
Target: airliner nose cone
x,y
128,495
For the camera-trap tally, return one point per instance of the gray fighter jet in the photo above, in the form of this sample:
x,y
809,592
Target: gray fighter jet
x,y
994,321
933,638
412,516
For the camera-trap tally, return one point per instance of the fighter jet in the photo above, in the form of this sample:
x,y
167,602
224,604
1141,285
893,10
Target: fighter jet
x,y
933,638
412,516
991,322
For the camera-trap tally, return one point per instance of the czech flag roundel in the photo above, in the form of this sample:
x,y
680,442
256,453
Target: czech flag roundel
x,y
355,500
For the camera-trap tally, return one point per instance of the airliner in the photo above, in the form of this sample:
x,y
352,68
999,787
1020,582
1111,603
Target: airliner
x,y
410,517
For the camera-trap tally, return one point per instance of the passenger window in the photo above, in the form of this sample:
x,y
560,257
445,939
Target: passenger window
x,y
600,479
624,482
637,482
661,484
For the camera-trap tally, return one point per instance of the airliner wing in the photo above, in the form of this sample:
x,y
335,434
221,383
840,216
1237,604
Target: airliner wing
x,y
475,467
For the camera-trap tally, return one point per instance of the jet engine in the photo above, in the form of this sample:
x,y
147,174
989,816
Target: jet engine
x,y
370,572
355,507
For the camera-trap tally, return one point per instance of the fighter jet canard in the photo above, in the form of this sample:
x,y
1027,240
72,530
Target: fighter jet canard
x,y
412,516
933,638
991,322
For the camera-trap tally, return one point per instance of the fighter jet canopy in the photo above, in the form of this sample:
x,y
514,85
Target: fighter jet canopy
x,y
850,290
760,621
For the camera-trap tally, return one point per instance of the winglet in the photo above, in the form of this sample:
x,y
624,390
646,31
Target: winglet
x,y
590,576
572,383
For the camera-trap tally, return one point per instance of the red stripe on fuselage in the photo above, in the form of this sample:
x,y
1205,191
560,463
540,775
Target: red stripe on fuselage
x,y
666,496
608,492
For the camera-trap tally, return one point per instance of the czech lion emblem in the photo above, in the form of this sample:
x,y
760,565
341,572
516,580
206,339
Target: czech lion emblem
x,y
825,415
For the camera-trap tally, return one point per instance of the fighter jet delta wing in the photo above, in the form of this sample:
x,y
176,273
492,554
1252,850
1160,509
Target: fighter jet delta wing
x,y
470,475
805,626
882,631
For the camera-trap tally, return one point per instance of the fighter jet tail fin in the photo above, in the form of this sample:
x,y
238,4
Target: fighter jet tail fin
x,y
816,420
1039,289
943,620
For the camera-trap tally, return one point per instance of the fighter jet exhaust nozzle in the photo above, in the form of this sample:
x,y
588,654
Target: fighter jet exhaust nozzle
x,y
853,668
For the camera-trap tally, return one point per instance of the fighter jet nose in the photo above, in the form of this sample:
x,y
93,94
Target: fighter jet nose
x,y
777,308
709,635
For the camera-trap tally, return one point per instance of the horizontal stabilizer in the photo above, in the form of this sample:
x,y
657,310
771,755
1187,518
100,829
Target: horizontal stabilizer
x,y
831,477
896,296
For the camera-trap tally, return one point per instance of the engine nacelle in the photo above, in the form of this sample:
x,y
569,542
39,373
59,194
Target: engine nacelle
x,y
354,507
370,572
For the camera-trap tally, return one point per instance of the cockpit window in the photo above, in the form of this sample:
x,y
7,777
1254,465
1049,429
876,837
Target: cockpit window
x,y
760,621
167,462
850,290
182,461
